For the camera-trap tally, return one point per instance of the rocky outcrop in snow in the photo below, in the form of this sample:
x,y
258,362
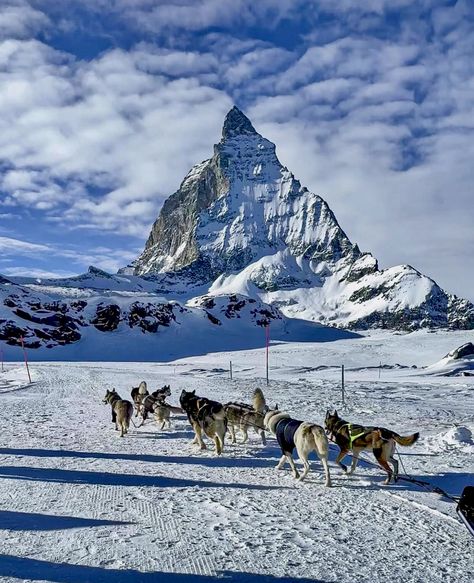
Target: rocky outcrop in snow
x,y
242,223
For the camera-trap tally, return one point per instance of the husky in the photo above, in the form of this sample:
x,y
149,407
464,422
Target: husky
x,y
205,415
149,402
306,437
161,413
258,401
138,394
356,438
122,411
243,416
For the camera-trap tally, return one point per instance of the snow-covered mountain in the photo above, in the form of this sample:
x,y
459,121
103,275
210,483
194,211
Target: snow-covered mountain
x,y
242,223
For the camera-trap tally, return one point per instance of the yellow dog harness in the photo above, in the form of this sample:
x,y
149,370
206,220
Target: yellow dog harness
x,y
353,437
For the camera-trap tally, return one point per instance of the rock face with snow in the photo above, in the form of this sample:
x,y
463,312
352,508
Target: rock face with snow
x,y
242,223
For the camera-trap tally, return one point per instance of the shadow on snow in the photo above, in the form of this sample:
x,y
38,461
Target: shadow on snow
x,y
213,462
35,570
30,521
112,479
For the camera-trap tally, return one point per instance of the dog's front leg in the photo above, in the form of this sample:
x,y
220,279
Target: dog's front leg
x,y
340,457
355,460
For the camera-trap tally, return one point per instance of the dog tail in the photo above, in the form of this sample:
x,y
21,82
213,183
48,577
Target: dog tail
x,y
142,388
321,443
406,440
258,401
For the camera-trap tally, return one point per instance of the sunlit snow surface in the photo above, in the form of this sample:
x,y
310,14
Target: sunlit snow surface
x,y
79,504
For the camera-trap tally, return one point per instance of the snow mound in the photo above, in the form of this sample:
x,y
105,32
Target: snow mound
x,y
459,438
458,362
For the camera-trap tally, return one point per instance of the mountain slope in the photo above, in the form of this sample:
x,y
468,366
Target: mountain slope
x,y
241,223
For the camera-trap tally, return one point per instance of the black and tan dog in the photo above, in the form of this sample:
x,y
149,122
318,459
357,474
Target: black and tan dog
x,y
122,411
205,416
356,438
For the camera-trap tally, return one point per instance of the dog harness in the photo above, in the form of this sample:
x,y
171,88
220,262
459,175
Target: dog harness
x,y
285,434
353,436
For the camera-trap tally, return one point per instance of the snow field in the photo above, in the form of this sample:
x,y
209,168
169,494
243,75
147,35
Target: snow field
x,y
79,504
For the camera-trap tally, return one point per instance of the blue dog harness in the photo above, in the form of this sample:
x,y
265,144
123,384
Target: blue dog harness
x,y
285,434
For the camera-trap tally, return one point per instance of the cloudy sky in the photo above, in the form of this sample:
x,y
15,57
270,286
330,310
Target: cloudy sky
x,y
106,104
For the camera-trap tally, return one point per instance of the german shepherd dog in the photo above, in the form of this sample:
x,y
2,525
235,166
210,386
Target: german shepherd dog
x,y
356,438
306,437
122,411
205,416
243,416
138,394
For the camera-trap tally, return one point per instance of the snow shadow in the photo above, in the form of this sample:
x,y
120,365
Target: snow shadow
x,y
112,479
25,568
256,461
31,521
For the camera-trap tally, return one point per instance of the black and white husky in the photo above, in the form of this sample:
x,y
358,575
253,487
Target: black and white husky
x,y
205,416
306,437
138,394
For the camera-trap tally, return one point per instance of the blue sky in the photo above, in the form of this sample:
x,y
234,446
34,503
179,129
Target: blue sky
x,y
106,104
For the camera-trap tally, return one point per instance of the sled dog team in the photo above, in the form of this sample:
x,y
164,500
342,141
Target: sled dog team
x,y
215,419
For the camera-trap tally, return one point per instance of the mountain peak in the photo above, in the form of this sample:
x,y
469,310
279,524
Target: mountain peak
x,y
236,123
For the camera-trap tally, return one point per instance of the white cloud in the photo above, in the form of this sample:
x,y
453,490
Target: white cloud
x,y
9,245
18,19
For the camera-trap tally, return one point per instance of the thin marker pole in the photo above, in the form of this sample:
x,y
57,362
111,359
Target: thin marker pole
x,y
230,369
26,358
1,354
342,386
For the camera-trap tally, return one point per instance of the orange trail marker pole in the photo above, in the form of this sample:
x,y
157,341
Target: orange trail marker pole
x,y
26,358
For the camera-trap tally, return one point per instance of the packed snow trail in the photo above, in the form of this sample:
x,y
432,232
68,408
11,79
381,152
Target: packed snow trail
x,y
79,504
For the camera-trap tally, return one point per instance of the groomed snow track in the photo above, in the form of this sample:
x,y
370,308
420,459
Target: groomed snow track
x,y
79,504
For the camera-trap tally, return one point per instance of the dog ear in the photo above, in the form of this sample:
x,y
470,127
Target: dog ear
x,y
335,413
193,392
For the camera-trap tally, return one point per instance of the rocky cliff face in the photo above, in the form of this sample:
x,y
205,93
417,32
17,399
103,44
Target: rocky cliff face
x,y
241,223
239,206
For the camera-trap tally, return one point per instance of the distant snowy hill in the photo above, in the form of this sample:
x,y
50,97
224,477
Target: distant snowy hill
x,y
241,223
99,316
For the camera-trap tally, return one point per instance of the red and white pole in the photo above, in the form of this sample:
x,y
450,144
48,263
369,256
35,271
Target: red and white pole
x,y
26,358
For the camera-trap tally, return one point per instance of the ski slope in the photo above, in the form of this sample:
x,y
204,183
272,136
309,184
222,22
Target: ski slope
x,y
79,504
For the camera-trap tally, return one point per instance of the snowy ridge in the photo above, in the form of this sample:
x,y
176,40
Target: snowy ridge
x,y
97,315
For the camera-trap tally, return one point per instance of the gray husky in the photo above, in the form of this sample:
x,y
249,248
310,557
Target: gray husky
x,y
122,411
243,416
306,437
162,411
